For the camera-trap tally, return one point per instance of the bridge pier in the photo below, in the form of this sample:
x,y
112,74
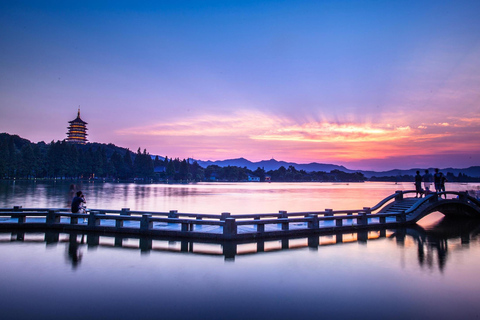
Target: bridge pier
x,y
338,238
313,242
260,246
362,236
401,217
145,245
93,241
51,237
229,250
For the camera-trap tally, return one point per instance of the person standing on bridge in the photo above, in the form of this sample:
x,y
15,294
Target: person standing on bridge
x,y
418,185
427,181
437,180
443,179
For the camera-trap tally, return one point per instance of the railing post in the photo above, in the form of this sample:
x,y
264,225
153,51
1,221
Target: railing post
x,y
399,195
21,219
328,212
52,217
125,212
284,215
362,218
224,215
92,219
230,227
173,214
145,223
314,223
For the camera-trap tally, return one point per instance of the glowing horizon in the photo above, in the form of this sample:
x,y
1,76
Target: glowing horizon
x,y
363,84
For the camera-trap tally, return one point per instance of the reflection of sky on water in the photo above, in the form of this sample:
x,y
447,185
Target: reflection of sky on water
x,y
379,278
208,197
428,272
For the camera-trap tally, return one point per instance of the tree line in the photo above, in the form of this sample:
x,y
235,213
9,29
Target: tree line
x,y
22,159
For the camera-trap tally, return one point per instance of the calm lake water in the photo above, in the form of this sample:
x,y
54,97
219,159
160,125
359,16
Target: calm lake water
x,y
426,272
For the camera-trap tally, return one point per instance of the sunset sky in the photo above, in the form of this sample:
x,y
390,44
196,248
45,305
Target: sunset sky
x,y
366,84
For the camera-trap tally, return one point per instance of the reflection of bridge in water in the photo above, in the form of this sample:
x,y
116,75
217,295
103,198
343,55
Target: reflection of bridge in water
x,y
431,243
395,211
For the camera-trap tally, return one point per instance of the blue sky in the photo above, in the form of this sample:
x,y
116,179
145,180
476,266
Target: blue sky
x,y
366,84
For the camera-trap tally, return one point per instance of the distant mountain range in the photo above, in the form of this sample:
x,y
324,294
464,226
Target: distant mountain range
x,y
273,164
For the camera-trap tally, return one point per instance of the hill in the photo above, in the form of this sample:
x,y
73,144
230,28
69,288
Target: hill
x,y
273,164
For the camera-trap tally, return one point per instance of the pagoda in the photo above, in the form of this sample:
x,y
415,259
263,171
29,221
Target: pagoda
x,y
77,130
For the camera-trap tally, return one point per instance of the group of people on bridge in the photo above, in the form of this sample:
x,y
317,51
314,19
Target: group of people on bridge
x,y
438,178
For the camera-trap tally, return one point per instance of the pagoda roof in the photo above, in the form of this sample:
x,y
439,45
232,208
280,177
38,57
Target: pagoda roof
x,y
78,119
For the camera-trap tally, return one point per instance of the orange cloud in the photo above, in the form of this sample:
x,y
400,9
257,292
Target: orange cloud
x,y
258,135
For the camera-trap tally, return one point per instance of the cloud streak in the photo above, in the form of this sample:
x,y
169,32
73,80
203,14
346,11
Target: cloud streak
x,y
257,135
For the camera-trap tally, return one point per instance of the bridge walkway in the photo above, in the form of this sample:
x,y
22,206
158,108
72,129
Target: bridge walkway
x,y
395,210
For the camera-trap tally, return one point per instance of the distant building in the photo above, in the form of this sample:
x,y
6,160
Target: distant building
x,y
253,178
77,130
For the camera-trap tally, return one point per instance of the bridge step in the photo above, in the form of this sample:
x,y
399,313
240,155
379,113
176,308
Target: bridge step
x,y
400,205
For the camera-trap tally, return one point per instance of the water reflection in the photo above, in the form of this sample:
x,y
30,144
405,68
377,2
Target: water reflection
x,y
433,243
75,254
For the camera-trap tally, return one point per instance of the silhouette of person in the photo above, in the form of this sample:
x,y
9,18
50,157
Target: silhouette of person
x,y
437,177
427,181
77,201
443,179
418,185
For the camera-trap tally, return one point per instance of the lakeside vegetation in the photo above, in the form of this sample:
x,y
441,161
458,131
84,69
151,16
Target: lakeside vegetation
x,y
22,159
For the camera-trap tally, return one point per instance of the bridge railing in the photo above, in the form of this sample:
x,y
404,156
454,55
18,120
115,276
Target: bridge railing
x,y
187,224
